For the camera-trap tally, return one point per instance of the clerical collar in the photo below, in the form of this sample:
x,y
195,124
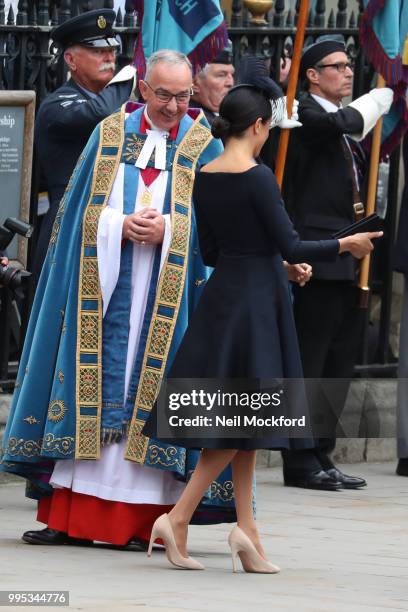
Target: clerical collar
x,y
154,146
147,124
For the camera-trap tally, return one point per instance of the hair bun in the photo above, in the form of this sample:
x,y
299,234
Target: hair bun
x,y
220,127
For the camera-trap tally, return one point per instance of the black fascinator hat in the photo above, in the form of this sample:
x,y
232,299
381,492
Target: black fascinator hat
x,y
256,96
253,71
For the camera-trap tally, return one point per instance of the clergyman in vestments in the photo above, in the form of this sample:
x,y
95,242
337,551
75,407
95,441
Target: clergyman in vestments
x,y
122,275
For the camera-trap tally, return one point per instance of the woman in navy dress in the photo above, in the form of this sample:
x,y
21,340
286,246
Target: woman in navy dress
x,y
243,326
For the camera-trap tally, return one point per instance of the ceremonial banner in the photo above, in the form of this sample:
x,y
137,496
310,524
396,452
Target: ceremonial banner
x,y
383,34
194,27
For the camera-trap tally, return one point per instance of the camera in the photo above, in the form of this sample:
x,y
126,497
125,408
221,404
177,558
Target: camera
x,y
11,277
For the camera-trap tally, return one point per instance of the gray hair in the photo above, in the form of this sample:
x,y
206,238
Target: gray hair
x,y
167,56
202,74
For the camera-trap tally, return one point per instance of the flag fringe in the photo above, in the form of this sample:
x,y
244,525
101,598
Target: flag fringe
x,y
393,71
209,47
389,68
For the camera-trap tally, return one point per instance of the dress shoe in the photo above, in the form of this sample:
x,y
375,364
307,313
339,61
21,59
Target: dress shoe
x,y
348,482
137,544
250,558
162,529
321,480
402,467
52,537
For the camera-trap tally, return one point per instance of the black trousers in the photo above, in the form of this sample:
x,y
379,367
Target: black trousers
x,y
329,325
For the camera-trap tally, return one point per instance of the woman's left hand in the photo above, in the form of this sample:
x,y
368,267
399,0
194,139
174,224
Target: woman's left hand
x,y
299,273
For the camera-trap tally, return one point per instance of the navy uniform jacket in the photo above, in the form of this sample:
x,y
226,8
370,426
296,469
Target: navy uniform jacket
x,y
317,187
64,123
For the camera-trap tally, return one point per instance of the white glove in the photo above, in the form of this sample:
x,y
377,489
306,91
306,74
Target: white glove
x,y
286,123
371,107
125,74
383,97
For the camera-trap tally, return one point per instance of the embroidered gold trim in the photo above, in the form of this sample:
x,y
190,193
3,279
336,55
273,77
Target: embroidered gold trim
x,y
167,456
33,448
224,492
170,287
89,335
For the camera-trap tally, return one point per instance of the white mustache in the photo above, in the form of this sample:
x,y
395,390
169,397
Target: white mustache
x,y
107,66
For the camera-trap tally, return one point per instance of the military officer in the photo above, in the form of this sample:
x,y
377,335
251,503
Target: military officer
x,y
68,116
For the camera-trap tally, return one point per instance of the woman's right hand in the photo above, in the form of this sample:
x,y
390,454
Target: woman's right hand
x,y
359,245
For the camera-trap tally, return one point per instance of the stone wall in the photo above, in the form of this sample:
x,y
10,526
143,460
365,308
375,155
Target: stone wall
x,y
368,420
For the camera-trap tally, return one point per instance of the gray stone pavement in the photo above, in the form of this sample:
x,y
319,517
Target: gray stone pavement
x,y
339,551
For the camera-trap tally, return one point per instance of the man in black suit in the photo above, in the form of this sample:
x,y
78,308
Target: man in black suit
x,y
68,116
321,191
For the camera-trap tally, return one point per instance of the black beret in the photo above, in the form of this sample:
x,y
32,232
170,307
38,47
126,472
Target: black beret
x,y
91,29
223,57
313,54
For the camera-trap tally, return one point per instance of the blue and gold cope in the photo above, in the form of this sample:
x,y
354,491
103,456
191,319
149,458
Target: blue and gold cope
x,y
51,417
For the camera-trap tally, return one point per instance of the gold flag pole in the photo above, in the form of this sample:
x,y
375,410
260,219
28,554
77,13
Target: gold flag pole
x,y
370,204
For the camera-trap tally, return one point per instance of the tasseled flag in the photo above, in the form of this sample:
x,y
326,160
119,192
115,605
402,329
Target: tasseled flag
x,y
383,34
193,27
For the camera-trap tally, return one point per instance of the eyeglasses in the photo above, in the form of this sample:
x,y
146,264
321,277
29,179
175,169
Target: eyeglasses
x,y
339,66
166,96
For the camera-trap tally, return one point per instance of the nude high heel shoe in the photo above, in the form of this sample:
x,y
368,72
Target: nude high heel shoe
x,y
250,558
162,529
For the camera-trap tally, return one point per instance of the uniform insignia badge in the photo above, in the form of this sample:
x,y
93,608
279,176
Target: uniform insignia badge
x,y
101,22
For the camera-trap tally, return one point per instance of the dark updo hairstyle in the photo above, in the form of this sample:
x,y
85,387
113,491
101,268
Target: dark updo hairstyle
x,y
240,108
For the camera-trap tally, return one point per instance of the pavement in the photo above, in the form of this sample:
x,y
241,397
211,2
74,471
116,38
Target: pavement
x,y
338,551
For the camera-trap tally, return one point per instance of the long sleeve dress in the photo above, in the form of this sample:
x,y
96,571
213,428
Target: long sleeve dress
x,y
243,326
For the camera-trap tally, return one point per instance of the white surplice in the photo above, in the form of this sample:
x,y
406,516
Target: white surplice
x,y
112,477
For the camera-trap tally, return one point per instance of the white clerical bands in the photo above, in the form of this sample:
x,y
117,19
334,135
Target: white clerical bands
x,y
155,141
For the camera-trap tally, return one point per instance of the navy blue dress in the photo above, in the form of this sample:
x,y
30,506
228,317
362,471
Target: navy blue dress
x,y
243,326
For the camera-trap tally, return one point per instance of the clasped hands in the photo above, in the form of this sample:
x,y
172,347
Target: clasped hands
x,y
298,273
144,227
147,227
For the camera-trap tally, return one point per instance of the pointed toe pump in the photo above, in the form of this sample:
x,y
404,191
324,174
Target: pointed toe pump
x,y
162,529
250,558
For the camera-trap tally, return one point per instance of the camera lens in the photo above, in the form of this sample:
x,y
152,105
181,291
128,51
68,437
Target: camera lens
x,y
12,277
